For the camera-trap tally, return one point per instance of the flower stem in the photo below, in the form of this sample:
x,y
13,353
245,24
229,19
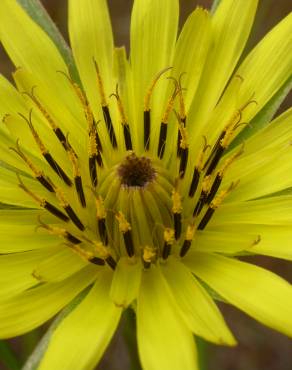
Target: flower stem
x,y
129,333
7,357
202,354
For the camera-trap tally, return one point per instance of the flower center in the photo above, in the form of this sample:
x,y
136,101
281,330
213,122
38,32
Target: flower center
x,y
136,171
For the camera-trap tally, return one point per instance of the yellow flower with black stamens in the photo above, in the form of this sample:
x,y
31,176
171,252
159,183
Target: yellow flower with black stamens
x,y
126,182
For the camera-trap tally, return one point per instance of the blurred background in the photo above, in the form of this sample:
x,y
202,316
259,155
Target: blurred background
x,y
259,348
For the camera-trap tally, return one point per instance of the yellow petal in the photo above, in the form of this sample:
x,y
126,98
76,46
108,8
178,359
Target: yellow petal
x,y
81,338
231,26
62,264
256,291
274,241
268,211
197,307
263,73
16,271
33,307
126,282
33,49
164,341
92,40
228,242
191,51
153,35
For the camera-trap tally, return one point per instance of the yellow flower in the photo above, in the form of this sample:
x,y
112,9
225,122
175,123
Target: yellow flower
x,y
126,183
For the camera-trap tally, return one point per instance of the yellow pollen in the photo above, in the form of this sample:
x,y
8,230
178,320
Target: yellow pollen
x,y
176,202
168,235
124,225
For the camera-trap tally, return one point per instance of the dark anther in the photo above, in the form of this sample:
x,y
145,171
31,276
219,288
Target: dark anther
x,y
185,247
102,231
55,211
45,183
97,261
206,218
146,264
74,218
58,170
79,190
179,149
127,137
162,139
61,137
129,243
215,160
92,171
214,150
166,250
177,225
183,161
98,159
200,204
109,125
111,262
195,182
214,188
71,238
98,142
147,121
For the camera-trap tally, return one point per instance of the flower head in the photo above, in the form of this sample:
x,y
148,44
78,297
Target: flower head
x,y
129,181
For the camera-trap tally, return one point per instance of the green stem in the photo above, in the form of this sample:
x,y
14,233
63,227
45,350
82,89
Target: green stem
x,y
7,357
202,354
129,332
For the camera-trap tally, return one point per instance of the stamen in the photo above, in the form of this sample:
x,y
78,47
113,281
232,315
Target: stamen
x,y
182,115
219,176
198,168
39,175
69,210
184,147
42,202
164,122
58,132
148,256
60,232
77,175
176,209
101,219
124,121
188,240
214,205
125,229
45,153
168,236
203,196
147,110
105,108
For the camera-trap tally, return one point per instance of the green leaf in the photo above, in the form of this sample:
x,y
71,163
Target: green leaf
x,y
38,13
37,355
265,115
7,357
215,6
